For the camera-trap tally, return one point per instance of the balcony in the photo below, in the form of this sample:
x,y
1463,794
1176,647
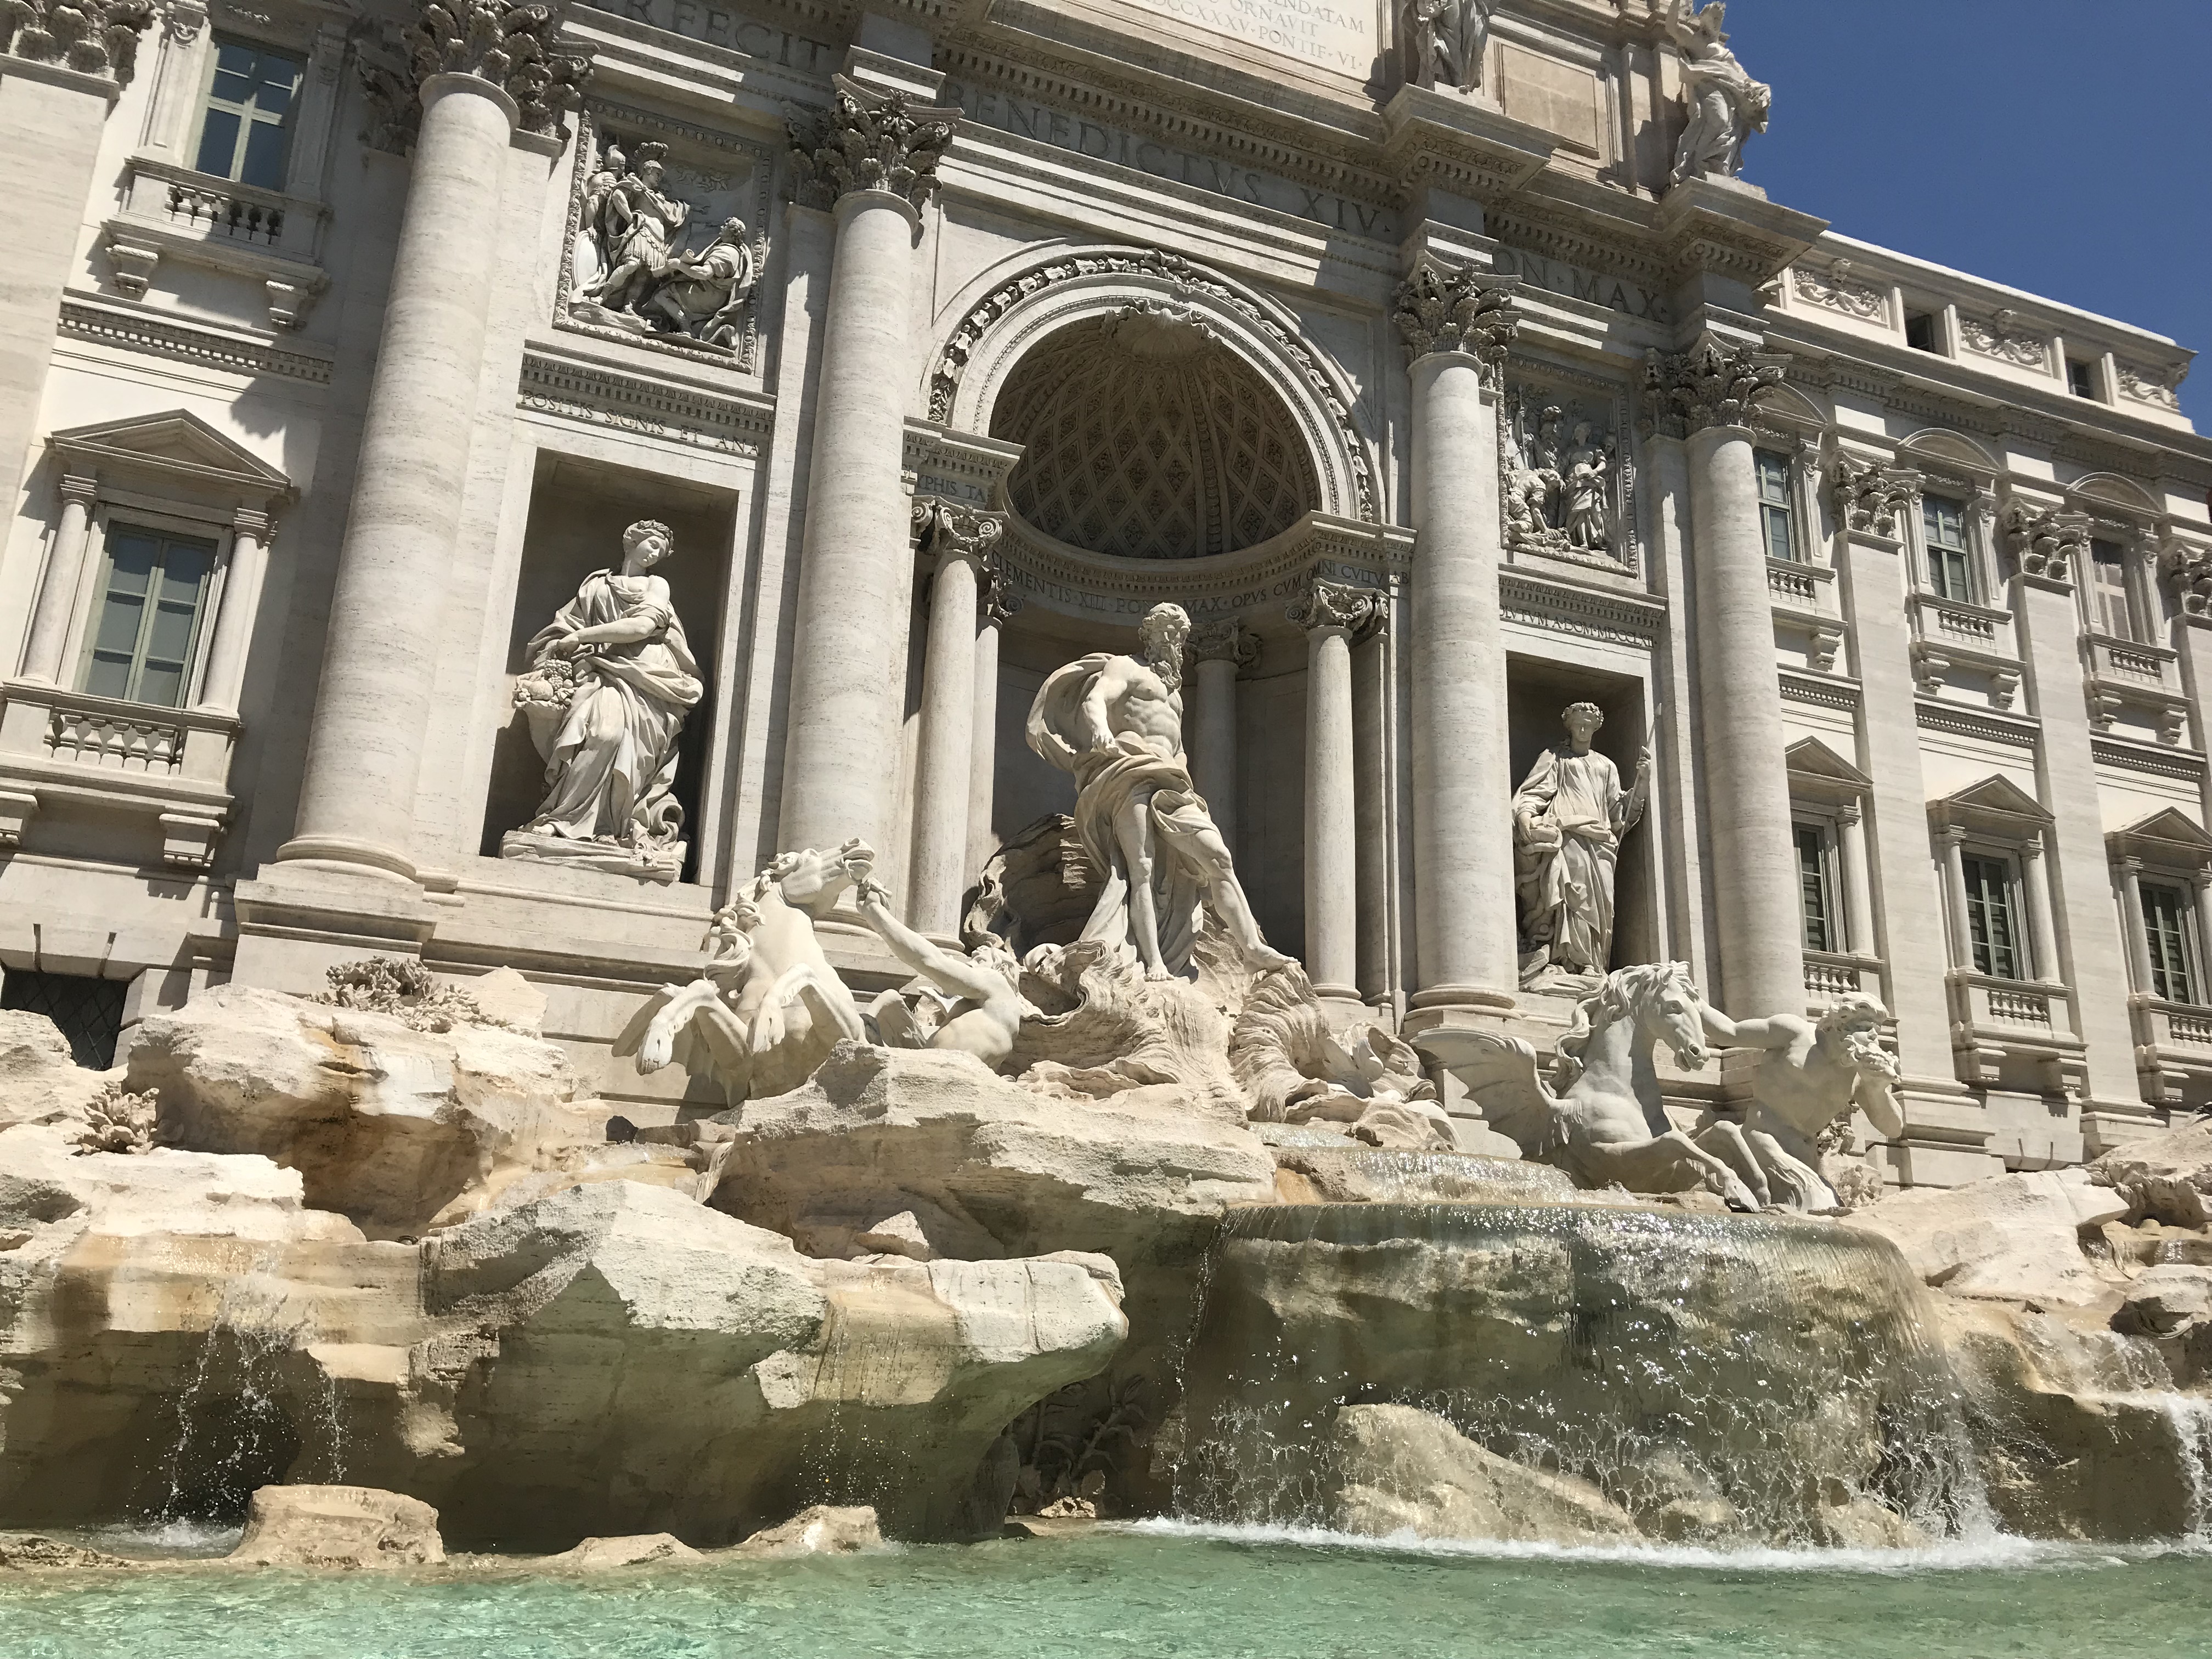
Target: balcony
x,y
1806,614
2134,689
1832,975
110,759
1965,649
174,213
2173,1050
2016,1034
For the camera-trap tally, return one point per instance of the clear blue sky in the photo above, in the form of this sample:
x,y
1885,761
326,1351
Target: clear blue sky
x,y
2060,146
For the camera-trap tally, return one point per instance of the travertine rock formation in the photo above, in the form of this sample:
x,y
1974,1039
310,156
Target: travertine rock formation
x,y
2011,1235
337,1527
1403,1470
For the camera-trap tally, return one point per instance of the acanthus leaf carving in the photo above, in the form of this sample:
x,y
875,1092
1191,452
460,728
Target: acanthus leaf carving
x,y
1357,611
2044,542
1463,311
1226,641
1836,291
1714,383
508,45
953,530
2160,387
1869,497
1997,337
92,37
868,140
2187,569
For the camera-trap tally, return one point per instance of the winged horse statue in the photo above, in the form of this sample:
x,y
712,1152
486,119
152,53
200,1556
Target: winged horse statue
x,y
1608,1127
768,1007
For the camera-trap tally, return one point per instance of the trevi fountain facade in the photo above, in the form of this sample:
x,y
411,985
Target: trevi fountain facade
x,y
1123,757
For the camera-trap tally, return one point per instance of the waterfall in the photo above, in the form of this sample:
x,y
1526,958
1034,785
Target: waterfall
x,y
1774,1368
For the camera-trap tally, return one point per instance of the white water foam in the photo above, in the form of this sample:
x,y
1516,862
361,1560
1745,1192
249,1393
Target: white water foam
x,y
1996,1551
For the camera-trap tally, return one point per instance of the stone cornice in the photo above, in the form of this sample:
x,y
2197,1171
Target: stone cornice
x,y
138,330
2151,758
595,394
1959,720
1563,607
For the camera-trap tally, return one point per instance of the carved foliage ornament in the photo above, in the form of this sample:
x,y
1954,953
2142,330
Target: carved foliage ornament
x,y
1229,640
2044,542
1437,310
2157,386
508,44
950,530
1837,292
1997,338
2189,570
1712,384
1357,610
92,37
1869,498
868,141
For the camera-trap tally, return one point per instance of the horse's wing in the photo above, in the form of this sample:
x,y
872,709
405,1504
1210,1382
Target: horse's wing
x,y
633,1035
1500,1073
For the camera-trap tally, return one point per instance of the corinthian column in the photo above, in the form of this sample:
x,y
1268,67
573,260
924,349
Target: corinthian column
x,y
1458,327
959,539
478,85
873,163
1218,653
1705,396
1332,615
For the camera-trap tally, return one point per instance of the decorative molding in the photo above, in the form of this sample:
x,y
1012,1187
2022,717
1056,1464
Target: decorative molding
x,y
1439,310
2150,758
1868,497
953,530
2043,542
1836,291
868,141
2187,569
1996,338
1959,721
140,332
1227,640
1564,608
1714,383
506,45
1819,690
2158,388
1325,604
598,396
97,38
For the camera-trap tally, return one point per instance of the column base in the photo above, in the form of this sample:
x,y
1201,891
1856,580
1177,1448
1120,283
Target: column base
x,y
1476,998
345,852
297,921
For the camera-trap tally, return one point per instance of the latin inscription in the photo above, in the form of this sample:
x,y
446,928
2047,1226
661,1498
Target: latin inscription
x,y
1281,590
1102,144
701,20
1328,36
1557,276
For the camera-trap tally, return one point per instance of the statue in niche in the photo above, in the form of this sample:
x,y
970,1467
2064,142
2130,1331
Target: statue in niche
x,y
1814,1073
1569,817
1115,723
632,268
609,683
1726,105
1556,476
1445,40
766,1007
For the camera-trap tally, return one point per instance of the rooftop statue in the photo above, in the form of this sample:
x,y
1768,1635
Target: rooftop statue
x,y
1814,1073
1569,817
1726,105
766,1007
609,683
1115,722
1607,1124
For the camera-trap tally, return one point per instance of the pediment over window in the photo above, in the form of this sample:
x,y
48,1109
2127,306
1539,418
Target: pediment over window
x,y
1819,772
174,448
1995,806
2168,837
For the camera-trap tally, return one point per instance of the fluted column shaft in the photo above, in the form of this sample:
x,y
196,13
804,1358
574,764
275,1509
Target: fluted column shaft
x,y
50,620
233,623
943,768
380,664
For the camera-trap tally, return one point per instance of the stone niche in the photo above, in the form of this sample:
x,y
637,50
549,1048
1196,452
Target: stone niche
x,y
578,511
1536,692
1566,473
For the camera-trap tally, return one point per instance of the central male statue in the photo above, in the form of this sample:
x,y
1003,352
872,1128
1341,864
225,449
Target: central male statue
x,y
1116,723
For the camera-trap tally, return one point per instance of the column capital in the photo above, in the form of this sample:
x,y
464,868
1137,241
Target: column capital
x,y
1951,834
82,488
947,529
503,46
2031,846
1228,640
1354,611
1715,383
868,140
1868,497
1436,309
98,38
253,522
2044,542
1849,812
2129,865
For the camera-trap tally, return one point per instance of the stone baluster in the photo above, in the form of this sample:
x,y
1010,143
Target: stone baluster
x,y
1458,327
995,603
1333,616
480,83
959,540
871,160
49,619
233,623
1219,652
62,69
1707,397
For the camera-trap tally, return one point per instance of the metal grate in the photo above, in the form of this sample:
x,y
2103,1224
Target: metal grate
x,y
89,1011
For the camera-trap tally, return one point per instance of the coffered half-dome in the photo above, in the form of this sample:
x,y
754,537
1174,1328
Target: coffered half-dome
x,y
1146,437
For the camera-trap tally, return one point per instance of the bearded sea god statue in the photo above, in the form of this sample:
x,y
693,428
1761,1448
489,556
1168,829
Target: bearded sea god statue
x,y
1568,816
606,691
1115,723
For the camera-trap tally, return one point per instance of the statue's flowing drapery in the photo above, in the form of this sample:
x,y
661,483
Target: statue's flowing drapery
x,y
1108,778
610,769
1567,889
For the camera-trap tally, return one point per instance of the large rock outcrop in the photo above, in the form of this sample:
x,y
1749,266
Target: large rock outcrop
x,y
2011,1235
40,1081
1400,1469
344,1527
2165,1177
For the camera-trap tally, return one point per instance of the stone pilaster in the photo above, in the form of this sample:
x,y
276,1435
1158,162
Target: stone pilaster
x,y
1707,397
61,68
871,160
1458,327
1219,652
958,540
482,77
1333,617
64,574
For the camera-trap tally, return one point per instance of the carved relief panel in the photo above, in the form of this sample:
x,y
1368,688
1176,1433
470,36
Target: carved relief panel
x,y
666,236
1565,477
